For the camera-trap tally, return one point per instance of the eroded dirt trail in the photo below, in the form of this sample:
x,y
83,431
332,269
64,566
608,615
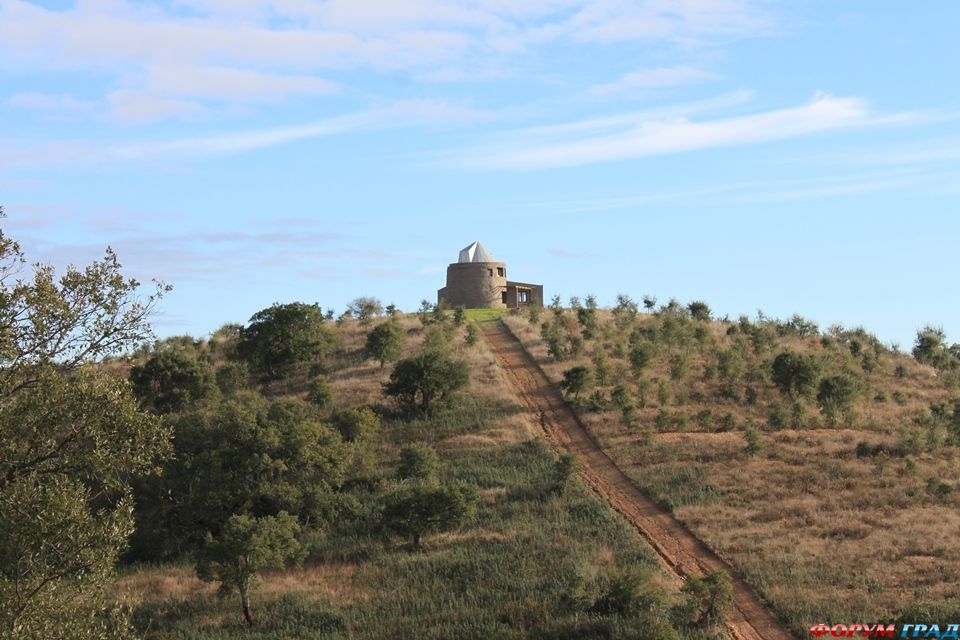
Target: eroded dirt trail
x,y
681,551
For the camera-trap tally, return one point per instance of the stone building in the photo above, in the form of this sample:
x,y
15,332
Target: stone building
x,y
476,281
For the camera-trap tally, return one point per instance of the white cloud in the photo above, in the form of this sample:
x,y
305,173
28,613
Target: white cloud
x,y
55,103
575,144
242,50
642,79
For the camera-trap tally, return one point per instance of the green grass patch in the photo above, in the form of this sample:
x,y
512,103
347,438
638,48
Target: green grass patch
x,y
482,315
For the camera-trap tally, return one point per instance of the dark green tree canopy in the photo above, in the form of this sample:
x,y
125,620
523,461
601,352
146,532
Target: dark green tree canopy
x,y
794,374
426,377
283,338
576,380
385,342
417,510
172,379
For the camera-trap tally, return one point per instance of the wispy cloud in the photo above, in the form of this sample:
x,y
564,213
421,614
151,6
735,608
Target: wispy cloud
x,y
86,152
165,59
619,138
644,79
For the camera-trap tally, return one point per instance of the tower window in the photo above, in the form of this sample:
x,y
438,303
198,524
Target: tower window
x,y
490,272
501,271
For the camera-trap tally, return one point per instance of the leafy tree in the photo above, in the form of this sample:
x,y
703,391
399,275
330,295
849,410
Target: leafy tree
x,y
233,377
425,378
931,348
706,600
649,302
246,455
794,374
624,312
282,338
320,392
172,379
418,462
365,309
246,546
385,342
699,310
576,379
357,423
640,356
417,510
835,394
72,437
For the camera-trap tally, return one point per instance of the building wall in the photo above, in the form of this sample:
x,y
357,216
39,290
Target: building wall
x,y
471,285
513,294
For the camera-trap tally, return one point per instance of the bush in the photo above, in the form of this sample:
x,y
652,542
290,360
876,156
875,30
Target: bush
x,y
563,469
795,375
576,380
356,424
418,462
385,342
417,510
706,600
320,392
233,377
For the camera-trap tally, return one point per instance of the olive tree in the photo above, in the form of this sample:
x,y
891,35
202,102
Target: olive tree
x,y
171,379
72,438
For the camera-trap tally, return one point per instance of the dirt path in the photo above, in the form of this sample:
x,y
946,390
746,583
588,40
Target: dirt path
x,y
682,552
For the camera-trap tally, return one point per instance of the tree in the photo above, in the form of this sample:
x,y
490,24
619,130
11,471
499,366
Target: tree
x,y
624,312
282,338
171,379
233,377
425,378
835,394
795,375
365,309
418,462
576,379
707,599
246,455
320,392
699,310
245,546
385,342
563,469
356,424
931,348
72,438
417,510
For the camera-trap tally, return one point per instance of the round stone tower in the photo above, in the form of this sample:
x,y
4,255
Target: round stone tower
x,y
475,281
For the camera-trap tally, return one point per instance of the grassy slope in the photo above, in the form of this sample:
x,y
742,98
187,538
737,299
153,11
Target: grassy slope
x,y
501,576
823,535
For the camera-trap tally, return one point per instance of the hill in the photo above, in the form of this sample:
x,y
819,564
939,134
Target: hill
x,y
825,477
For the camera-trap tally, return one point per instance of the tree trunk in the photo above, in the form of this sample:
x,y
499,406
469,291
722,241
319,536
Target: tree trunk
x,y
245,603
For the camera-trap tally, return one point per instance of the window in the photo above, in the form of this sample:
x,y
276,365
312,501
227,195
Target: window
x,y
501,271
503,297
490,272
524,296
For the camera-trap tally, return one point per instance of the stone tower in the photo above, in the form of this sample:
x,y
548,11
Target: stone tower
x,y
476,281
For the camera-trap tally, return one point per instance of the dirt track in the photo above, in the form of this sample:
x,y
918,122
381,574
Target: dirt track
x,y
682,552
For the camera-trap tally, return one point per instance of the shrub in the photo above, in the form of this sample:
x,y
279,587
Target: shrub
x,y
417,510
320,392
835,394
356,424
233,377
563,469
754,444
418,462
706,600
795,375
385,342
576,380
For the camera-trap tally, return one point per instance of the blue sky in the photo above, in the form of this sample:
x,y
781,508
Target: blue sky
x,y
799,156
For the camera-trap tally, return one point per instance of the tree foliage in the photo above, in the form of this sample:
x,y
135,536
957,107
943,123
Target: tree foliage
x,y
365,309
576,380
795,374
281,339
70,440
245,546
385,342
172,379
417,510
425,378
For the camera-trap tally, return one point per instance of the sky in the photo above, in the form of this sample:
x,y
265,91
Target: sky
x,y
791,157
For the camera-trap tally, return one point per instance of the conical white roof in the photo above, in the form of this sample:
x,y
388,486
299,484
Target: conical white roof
x,y
475,253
